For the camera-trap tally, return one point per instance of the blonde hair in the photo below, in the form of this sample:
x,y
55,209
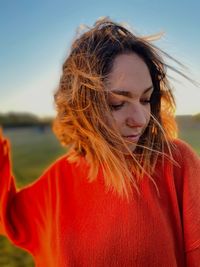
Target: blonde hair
x,y
81,123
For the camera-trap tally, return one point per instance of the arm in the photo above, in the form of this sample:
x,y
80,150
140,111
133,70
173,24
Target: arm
x,y
7,185
23,213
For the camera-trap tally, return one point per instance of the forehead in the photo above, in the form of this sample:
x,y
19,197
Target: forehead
x,y
129,73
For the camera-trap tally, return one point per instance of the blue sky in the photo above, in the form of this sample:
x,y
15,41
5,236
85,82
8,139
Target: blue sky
x,y
36,35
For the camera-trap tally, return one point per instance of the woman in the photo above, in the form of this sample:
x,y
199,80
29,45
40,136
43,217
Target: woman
x,y
128,192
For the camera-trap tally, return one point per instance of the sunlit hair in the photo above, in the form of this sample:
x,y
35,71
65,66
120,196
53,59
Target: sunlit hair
x,y
83,111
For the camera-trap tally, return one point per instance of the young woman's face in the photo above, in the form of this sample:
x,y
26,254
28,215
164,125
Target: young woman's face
x,y
131,83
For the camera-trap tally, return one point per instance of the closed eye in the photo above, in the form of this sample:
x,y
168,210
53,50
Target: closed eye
x,y
117,107
146,101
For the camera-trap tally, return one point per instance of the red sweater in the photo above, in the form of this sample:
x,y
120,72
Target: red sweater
x,y
64,221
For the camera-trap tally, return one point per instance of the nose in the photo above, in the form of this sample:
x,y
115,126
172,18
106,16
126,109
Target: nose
x,y
136,117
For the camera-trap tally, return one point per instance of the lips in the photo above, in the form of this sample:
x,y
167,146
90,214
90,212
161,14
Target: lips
x,y
132,138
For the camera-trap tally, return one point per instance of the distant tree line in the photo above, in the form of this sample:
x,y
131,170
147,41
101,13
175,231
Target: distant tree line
x,y
13,119
197,117
191,119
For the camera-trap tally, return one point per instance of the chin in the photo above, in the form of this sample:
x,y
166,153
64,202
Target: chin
x,y
131,147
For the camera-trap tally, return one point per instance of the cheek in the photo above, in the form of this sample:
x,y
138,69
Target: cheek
x,y
115,120
118,118
148,114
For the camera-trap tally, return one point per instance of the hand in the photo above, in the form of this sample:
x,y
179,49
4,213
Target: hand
x,y
4,149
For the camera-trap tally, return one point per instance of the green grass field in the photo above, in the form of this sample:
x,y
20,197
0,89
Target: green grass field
x,y
32,152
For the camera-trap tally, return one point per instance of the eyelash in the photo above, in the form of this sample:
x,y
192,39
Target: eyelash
x,y
117,107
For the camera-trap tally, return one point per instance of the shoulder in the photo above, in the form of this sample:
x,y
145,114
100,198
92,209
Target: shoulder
x,y
51,175
182,165
184,153
63,164
183,146
59,164
187,162
61,171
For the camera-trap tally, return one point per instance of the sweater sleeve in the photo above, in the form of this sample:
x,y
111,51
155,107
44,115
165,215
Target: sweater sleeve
x,y
25,213
7,185
190,172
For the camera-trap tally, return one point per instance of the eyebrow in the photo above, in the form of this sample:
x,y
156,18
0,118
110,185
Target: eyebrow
x,y
128,94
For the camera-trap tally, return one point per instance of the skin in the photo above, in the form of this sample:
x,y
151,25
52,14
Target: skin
x,y
131,112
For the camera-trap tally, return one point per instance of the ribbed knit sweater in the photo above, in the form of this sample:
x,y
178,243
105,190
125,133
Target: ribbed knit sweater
x,y
65,221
